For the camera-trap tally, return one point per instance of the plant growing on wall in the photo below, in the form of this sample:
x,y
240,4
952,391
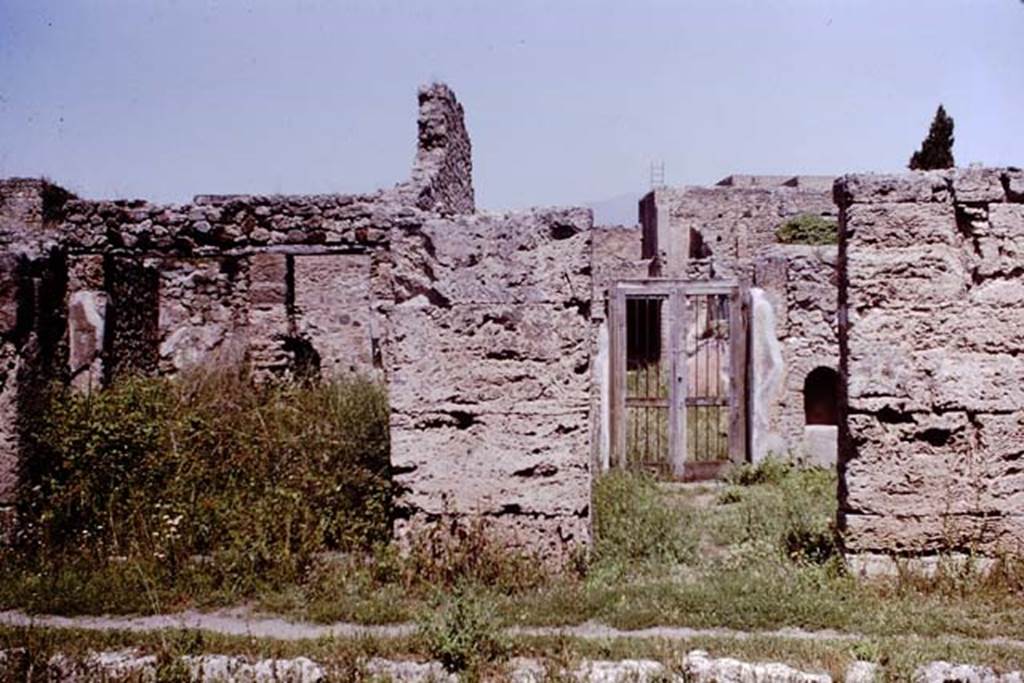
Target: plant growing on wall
x,y
807,228
937,149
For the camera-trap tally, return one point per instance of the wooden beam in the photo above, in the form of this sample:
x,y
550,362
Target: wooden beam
x,y
677,387
617,352
739,331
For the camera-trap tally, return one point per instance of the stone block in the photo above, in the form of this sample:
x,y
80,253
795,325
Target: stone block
x,y
919,187
489,376
497,358
458,461
978,382
535,257
893,225
820,445
908,277
885,374
978,184
551,540
1006,220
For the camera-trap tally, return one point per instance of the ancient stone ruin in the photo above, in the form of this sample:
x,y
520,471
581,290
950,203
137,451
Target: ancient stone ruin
x,y
932,309
525,351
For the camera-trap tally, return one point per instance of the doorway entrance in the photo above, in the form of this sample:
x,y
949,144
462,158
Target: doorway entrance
x,y
678,351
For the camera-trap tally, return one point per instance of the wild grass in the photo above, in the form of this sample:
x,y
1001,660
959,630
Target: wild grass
x,y
211,491
154,490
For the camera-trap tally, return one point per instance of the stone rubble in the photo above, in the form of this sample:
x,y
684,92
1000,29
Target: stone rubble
x,y
697,666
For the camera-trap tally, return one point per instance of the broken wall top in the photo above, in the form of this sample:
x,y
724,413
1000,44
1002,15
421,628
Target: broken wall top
x,y
958,185
441,182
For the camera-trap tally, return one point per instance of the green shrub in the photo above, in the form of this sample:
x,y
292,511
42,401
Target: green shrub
x,y
791,507
768,471
808,228
258,478
463,633
633,522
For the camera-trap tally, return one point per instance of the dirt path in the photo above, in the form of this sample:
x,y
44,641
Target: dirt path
x,y
242,622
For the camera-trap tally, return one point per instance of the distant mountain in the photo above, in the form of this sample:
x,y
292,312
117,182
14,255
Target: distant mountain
x,y
618,210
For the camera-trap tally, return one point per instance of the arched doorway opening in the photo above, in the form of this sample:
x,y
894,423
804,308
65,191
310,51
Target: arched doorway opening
x,y
821,397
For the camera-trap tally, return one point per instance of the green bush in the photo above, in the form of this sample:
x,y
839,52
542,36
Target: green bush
x,y
633,522
768,471
258,478
808,228
791,507
463,633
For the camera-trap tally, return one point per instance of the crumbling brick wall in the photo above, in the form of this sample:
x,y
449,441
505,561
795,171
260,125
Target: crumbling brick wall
x,y
297,285
277,280
931,338
442,176
729,223
489,360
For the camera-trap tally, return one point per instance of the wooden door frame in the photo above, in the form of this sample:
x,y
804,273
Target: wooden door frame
x,y
674,292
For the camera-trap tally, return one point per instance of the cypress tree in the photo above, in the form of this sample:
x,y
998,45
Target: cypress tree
x,y
937,149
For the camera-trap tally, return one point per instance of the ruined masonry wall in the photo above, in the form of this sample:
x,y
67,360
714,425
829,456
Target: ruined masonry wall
x,y
442,177
489,356
799,283
291,284
739,222
282,280
931,336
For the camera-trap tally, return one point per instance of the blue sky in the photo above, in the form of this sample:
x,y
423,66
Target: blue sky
x,y
566,102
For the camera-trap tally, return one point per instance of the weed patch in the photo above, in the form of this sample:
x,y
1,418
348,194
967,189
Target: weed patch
x,y
463,633
808,229
157,486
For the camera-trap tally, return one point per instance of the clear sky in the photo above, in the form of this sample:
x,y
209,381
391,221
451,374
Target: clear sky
x,y
566,101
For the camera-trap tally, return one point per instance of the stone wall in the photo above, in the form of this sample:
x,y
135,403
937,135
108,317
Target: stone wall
x,y
793,332
442,176
734,220
480,323
282,281
291,285
489,360
32,283
931,297
738,222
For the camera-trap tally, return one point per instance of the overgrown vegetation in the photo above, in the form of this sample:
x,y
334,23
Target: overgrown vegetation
x,y
633,526
210,491
208,484
808,228
463,633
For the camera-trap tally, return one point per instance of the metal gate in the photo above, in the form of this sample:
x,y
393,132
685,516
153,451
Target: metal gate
x,y
678,351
